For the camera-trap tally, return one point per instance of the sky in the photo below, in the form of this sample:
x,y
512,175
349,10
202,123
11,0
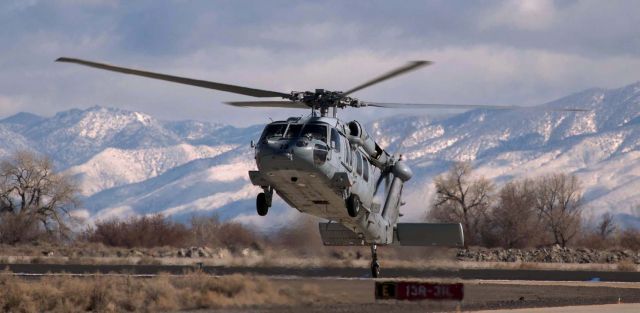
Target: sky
x,y
523,52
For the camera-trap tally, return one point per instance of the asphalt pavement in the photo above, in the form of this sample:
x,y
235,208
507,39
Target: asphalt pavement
x,y
341,272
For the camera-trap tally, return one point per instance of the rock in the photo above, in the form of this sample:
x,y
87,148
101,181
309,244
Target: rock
x,y
195,252
208,250
202,252
135,253
181,253
221,253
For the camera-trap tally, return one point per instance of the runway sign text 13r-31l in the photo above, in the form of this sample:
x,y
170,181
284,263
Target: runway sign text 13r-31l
x,y
403,290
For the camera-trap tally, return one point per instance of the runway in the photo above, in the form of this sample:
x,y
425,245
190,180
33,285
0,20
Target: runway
x,y
335,272
356,295
351,290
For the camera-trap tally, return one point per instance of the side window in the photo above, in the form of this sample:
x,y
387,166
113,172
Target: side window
x,y
335,138
320,154
347,152
354,156
346,147
365,172
359,160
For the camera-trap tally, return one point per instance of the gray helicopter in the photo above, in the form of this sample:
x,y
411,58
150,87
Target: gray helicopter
x,y
332,169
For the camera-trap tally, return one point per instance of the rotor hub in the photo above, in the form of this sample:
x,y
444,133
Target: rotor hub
x,y
322,99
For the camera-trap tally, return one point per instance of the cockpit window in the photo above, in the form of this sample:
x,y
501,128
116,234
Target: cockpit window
x,y
335,138
365,168
274,131
315,131
293,131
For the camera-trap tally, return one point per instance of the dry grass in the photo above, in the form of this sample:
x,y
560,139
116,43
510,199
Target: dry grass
x,y
162,293
627,266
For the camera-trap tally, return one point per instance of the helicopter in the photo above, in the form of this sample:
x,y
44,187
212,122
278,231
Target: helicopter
x,y
329,168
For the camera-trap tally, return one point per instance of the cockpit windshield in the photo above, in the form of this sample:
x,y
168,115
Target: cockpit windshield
x,y
274,131
279,131
293,131
315,131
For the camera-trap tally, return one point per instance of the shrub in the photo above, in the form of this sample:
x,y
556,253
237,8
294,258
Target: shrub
x,y
630,239
211,232
146,231
301,236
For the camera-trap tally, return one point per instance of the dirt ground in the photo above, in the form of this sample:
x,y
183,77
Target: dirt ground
x,y
351,295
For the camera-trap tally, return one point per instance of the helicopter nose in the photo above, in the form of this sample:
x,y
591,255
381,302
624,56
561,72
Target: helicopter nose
x,y
285,155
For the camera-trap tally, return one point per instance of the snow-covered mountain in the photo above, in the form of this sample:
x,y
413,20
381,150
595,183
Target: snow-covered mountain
x,y
601,146
131,163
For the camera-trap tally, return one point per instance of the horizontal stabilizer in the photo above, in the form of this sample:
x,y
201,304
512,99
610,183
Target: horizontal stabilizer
x,y
429,234
334,234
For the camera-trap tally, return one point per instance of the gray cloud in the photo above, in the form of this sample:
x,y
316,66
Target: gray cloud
x,y
502,52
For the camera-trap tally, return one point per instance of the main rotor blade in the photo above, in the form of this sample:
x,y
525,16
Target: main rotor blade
x,y
464,106
399,71
182,80
269,104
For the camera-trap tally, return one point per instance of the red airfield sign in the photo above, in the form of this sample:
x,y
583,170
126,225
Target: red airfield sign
x,y
404,290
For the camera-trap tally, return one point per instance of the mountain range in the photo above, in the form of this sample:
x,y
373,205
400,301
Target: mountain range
x,y
130,163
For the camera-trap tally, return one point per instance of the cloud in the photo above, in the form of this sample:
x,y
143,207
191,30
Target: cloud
x,y
521,14
9,106
517,52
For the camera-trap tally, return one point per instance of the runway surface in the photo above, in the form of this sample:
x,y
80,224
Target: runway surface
x,y
358,296
464,274
350,289
617,308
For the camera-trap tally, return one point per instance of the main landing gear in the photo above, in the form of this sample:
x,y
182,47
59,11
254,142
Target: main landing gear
x,y
375,267
263,201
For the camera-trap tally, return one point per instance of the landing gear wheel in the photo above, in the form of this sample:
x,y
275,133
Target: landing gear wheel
x,y
261,204
353,205
375,269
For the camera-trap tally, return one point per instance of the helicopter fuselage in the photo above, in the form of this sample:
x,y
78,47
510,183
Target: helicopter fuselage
x,y
314,167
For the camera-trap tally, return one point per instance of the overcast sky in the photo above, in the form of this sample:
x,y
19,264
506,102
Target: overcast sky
x,y
485,52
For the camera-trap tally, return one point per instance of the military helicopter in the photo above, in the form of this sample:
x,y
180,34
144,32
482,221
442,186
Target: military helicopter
x,y
323,166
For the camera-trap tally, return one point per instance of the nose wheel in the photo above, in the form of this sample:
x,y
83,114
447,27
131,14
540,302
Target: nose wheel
x,y
263,201
375,267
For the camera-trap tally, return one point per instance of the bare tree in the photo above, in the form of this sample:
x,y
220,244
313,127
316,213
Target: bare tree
x,y
33,196
513,221
606,227
559,206
460,198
